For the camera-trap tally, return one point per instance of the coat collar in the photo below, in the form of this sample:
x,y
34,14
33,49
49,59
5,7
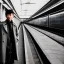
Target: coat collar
x,y
5,26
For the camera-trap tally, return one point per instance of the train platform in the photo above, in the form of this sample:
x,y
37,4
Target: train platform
x,y
53,51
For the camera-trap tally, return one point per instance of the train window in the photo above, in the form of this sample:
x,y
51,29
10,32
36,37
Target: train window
x,y
57,20
43,21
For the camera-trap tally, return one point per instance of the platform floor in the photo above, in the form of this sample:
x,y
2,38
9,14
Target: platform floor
x,y
53,51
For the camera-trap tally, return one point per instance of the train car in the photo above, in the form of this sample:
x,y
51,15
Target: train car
x,y
42,21
35,21
56,20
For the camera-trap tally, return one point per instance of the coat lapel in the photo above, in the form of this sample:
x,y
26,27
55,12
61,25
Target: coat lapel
x,y
5,28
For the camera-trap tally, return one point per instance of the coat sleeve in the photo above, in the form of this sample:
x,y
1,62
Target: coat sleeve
x,y
17,34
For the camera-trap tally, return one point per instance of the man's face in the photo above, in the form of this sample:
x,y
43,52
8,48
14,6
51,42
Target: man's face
x,y
9,16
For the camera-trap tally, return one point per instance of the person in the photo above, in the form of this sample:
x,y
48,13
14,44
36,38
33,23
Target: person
x,y
10,38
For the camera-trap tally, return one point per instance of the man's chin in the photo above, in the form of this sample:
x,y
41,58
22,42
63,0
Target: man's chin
x,y
9,19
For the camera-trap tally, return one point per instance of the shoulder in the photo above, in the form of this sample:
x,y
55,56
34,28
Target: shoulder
x,y
3,23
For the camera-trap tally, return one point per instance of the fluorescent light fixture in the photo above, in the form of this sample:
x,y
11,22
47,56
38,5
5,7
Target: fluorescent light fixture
x,y
30,7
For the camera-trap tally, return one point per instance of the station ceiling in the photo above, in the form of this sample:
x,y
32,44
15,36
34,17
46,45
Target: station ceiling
x,y
26,8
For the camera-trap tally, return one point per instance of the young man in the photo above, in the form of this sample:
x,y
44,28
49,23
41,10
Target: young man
x,y
9,38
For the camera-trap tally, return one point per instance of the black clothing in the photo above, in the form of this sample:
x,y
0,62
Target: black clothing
x,y
11,53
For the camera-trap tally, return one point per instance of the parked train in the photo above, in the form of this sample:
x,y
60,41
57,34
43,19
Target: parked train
x,y
55,20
